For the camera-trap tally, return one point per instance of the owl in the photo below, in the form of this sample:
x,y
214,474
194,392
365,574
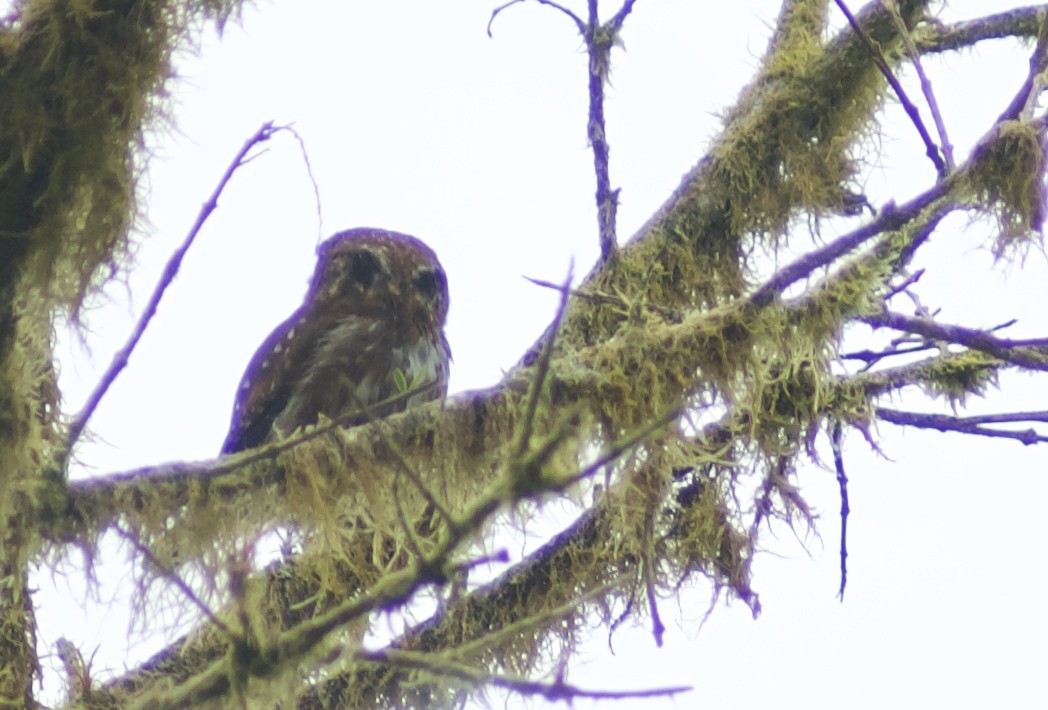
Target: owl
x,y
371,327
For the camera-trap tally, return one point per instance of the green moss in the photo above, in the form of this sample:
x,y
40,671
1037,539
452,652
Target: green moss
x,y
1008,182
80,81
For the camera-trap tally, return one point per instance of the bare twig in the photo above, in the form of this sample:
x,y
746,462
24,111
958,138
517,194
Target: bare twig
x,y
931,150
312,179
658,629
842,482
1027,94
600,39
121,357
926,85
1020,353
557,690
542,369
402,519
961,425
871,357
904,284
1005,418
575,18
617,301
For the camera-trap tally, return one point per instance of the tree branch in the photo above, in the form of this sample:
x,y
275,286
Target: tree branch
x,y
1023,23
1016,352
961,425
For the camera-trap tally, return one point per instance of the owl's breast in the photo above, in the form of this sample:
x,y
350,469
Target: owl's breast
x,y
359,371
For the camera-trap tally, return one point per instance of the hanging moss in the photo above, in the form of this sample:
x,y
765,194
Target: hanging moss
x,y
1009,182
80,81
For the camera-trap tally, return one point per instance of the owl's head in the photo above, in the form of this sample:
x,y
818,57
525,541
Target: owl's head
x,y
381,274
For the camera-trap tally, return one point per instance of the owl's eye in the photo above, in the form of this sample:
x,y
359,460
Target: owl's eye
x,y
428,282
363,267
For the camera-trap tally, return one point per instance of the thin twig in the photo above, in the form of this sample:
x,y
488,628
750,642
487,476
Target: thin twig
x,y
402,518
904,284
173,577
945,423
926,85
405,467
121,357
1027,95
542,368
620,16
931,150
1005,418
600,40
842,482
872,357
557,690
312,179
617,301
575,18
1017,352
890,218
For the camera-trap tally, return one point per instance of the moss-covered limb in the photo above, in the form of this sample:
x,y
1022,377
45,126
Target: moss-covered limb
x,y
527,588
524,591
270,652
28,407
799,28
593,554
632,379
953,376
289,586
627,382
456,448
589,568
18,662
1021,23
924,210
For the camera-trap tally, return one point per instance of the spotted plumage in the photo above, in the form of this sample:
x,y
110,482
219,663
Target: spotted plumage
x,y
372,324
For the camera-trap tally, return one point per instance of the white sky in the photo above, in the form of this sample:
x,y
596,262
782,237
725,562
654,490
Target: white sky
x,y
416,121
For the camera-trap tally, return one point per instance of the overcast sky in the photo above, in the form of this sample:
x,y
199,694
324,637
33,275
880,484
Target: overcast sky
x,y
414,120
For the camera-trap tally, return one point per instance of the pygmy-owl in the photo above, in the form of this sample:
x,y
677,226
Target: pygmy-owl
x,y
371,327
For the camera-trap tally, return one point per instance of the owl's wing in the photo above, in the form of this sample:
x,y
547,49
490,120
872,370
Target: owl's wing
x,y
267,384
